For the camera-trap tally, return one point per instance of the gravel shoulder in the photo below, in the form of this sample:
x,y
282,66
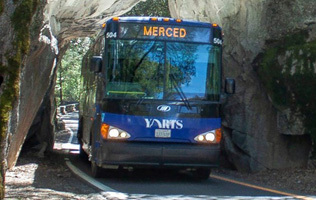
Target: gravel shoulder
x,y
45,178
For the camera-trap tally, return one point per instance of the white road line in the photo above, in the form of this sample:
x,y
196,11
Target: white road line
x,y
71,135
69,144
89,179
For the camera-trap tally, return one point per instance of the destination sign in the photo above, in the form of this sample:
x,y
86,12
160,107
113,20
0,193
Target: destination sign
x,y
164,32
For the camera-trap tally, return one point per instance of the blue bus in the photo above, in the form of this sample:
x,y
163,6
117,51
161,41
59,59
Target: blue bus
x,y
152,96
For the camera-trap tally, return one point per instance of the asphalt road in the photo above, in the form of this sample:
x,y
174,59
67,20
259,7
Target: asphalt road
x,y
160,184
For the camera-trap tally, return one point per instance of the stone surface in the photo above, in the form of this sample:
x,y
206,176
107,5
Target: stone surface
x,y
37,74
260,134
71,19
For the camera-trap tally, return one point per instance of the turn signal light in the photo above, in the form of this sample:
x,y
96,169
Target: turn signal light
x,y
104,130
218,133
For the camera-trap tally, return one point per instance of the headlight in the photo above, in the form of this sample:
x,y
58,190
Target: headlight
x,y
213,136
210,137
111,132
115,133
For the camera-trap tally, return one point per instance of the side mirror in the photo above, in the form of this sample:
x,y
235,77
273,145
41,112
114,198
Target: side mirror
x,y
229,86
96,64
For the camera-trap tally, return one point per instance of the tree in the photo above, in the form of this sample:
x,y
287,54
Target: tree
x,y
68,81
151,8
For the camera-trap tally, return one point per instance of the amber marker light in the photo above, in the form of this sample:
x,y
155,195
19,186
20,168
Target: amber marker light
x,y
115,18
104,130
154,19
166,19
215,25
104,25
218,133
178,20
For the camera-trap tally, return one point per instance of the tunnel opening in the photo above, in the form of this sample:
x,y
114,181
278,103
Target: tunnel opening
x,y
68,86
68,89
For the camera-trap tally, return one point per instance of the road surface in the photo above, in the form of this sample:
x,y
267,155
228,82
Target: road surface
x,y
159,184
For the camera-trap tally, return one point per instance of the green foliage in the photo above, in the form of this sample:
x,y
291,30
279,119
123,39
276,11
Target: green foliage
x,y
68,80
292,85
9,93
151,8
21,20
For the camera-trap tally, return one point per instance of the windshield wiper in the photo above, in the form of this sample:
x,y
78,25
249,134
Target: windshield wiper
x,y
180,92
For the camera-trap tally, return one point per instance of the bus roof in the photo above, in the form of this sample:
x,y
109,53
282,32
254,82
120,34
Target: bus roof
x,y
163,20
162,28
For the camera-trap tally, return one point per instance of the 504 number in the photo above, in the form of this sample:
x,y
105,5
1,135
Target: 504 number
x,y
218,41
111,35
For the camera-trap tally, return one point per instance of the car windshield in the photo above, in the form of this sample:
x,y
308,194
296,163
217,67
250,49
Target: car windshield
x,y
163,70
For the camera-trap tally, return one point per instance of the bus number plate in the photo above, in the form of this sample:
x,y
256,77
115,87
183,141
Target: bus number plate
x,y
162,133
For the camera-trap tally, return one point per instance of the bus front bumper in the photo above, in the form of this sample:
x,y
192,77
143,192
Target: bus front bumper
x,y
158,154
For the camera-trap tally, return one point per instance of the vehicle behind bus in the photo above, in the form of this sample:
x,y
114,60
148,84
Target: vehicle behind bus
x,y
152,95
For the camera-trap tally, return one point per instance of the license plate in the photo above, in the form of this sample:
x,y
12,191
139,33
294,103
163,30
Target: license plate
x,y
162,133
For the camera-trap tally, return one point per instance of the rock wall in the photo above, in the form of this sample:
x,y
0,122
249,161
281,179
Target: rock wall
x,y
264,126
35,77
32,34
72,18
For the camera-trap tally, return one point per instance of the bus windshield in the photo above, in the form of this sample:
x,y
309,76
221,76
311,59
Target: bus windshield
x,y
163,70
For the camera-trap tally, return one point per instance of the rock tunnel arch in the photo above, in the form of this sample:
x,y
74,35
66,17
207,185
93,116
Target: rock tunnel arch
x,y
51,26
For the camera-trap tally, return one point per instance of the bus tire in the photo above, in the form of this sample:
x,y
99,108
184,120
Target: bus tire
x,y
202,174
96,170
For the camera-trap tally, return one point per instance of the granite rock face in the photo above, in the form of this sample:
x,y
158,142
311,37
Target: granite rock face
x,y
260,130
72,18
